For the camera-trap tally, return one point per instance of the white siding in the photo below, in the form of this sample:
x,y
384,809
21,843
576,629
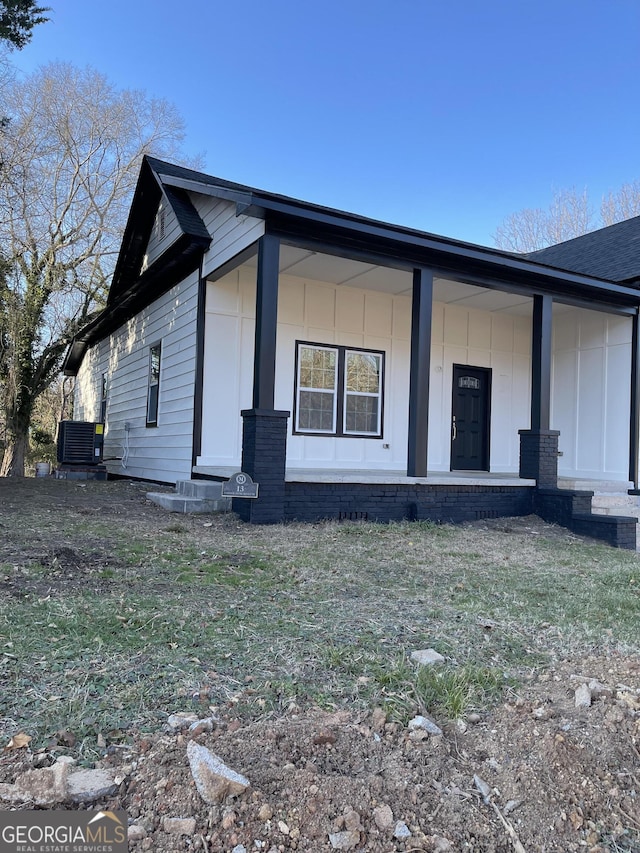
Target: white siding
x,y
501,342
156,453
231,234
166,231
591,393
324,313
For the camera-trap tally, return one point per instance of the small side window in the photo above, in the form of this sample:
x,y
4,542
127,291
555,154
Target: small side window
x,y
153,394
103,398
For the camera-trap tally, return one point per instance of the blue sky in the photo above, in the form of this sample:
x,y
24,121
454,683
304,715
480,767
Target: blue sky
x,y
445,115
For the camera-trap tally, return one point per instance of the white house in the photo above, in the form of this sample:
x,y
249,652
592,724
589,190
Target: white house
x,y
354,367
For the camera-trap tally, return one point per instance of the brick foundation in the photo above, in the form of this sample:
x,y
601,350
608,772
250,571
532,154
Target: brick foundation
x,y
398,502
264,454
539,456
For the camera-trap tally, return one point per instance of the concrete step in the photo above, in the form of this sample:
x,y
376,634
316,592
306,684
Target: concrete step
x,y
188,503
625,511
207,489
615,500
596,486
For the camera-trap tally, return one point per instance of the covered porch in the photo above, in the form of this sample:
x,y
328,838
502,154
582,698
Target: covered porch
x,y
418,309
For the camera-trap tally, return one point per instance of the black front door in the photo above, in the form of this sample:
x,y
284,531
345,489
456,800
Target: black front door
x,y
470,411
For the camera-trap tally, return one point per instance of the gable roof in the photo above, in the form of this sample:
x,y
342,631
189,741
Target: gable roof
x,y
324,229
612,252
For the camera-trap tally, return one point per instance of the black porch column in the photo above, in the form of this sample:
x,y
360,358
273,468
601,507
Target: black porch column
x,y
264,456
264,430
634,424
264,359
539,445
421,311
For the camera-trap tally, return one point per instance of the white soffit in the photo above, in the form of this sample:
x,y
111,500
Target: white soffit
x,y
453,291
333,269
494,300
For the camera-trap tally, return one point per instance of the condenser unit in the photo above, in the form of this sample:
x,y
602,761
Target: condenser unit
x,y
80,443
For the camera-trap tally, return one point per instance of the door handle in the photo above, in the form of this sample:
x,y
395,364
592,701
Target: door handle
x,y
454,429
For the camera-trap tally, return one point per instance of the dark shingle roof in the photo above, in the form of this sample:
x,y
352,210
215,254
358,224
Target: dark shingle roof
x,y
611,253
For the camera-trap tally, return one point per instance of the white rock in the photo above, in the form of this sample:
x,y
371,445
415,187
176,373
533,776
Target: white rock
x,y
426,657
345,840
181,720
214,780
383,817
84,786
424,723
511,805
136,832
401,831
583,696
441,844
179,825
482,786
239,848
205,724
46,786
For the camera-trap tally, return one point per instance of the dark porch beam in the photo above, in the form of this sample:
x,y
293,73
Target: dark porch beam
x,y
634,424
264,363
421,312
541,351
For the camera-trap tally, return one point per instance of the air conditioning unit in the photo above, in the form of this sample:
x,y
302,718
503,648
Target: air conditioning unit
x,y
80,443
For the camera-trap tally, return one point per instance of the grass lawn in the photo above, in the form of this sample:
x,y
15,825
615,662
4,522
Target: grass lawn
x,y
114,613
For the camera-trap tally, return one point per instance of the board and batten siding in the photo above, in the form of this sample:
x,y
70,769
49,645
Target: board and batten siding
x,y
160,453
327,314
591,393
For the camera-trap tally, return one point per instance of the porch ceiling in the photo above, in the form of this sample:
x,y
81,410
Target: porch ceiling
x,y
316,266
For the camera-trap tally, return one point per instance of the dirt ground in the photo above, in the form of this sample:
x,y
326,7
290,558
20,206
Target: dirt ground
x,y
535,773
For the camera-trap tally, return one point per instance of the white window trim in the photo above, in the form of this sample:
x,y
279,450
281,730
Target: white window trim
x,y
377,396
300,388
339,402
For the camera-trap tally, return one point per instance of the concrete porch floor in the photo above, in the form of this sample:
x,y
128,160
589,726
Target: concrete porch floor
x,y
433,478
347,475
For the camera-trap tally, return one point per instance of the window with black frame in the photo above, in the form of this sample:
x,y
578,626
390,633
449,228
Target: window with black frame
x,y
104,391
339,391
153,393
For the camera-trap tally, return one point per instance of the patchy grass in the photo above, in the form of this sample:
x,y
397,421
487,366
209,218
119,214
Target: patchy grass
x,y
114,614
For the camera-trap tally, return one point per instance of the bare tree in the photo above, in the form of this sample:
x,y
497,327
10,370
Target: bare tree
x,y
69,159
623,204
569,215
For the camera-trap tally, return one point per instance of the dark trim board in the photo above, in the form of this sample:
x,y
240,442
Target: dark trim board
x,y
196,444
634,420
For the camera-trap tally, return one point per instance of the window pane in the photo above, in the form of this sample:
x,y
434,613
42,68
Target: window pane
x,y
154,385
361,413
152,404
315,411
317,368
363,372
154,364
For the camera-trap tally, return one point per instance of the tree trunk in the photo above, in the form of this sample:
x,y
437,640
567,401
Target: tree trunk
x,y
17,444
14,455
